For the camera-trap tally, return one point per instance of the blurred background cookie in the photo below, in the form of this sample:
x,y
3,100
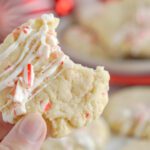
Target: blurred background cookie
x,y
83,41
114,33
128,112
122,27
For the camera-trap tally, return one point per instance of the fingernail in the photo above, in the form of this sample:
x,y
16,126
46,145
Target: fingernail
x,y
32,127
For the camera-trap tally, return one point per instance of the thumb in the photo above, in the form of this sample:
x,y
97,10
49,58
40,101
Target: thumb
x,y
28,134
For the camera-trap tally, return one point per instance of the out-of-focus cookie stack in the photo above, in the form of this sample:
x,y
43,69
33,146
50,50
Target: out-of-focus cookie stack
x,y
128,114
121,29
115,33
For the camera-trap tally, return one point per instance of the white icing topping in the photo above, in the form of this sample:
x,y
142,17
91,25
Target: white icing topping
x,y
23,76
18,70
54,41
12,47
25,50
45,105
44,51
49,72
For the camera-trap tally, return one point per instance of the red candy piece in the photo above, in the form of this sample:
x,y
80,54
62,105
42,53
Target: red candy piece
x,y
87,114
62,63
25,29
28,75
45,105
54,55
48,106
64,7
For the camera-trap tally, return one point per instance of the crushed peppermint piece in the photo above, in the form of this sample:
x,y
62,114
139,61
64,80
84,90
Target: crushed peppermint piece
x,y
62,63
19,93
45,105
54,55
28,75
87,114
25,31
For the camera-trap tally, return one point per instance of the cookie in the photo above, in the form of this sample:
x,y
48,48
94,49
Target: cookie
x,y
128,112
137,145
88,45
36,76
120,32
93,137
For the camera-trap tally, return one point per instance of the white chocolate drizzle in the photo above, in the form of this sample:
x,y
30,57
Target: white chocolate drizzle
x,y
12,47
12,77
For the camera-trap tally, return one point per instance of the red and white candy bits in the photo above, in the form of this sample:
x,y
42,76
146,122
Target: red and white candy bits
x,y
45,105
28,75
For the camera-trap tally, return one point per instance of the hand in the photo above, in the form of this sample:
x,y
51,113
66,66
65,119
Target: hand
x,y
14,12
28,134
